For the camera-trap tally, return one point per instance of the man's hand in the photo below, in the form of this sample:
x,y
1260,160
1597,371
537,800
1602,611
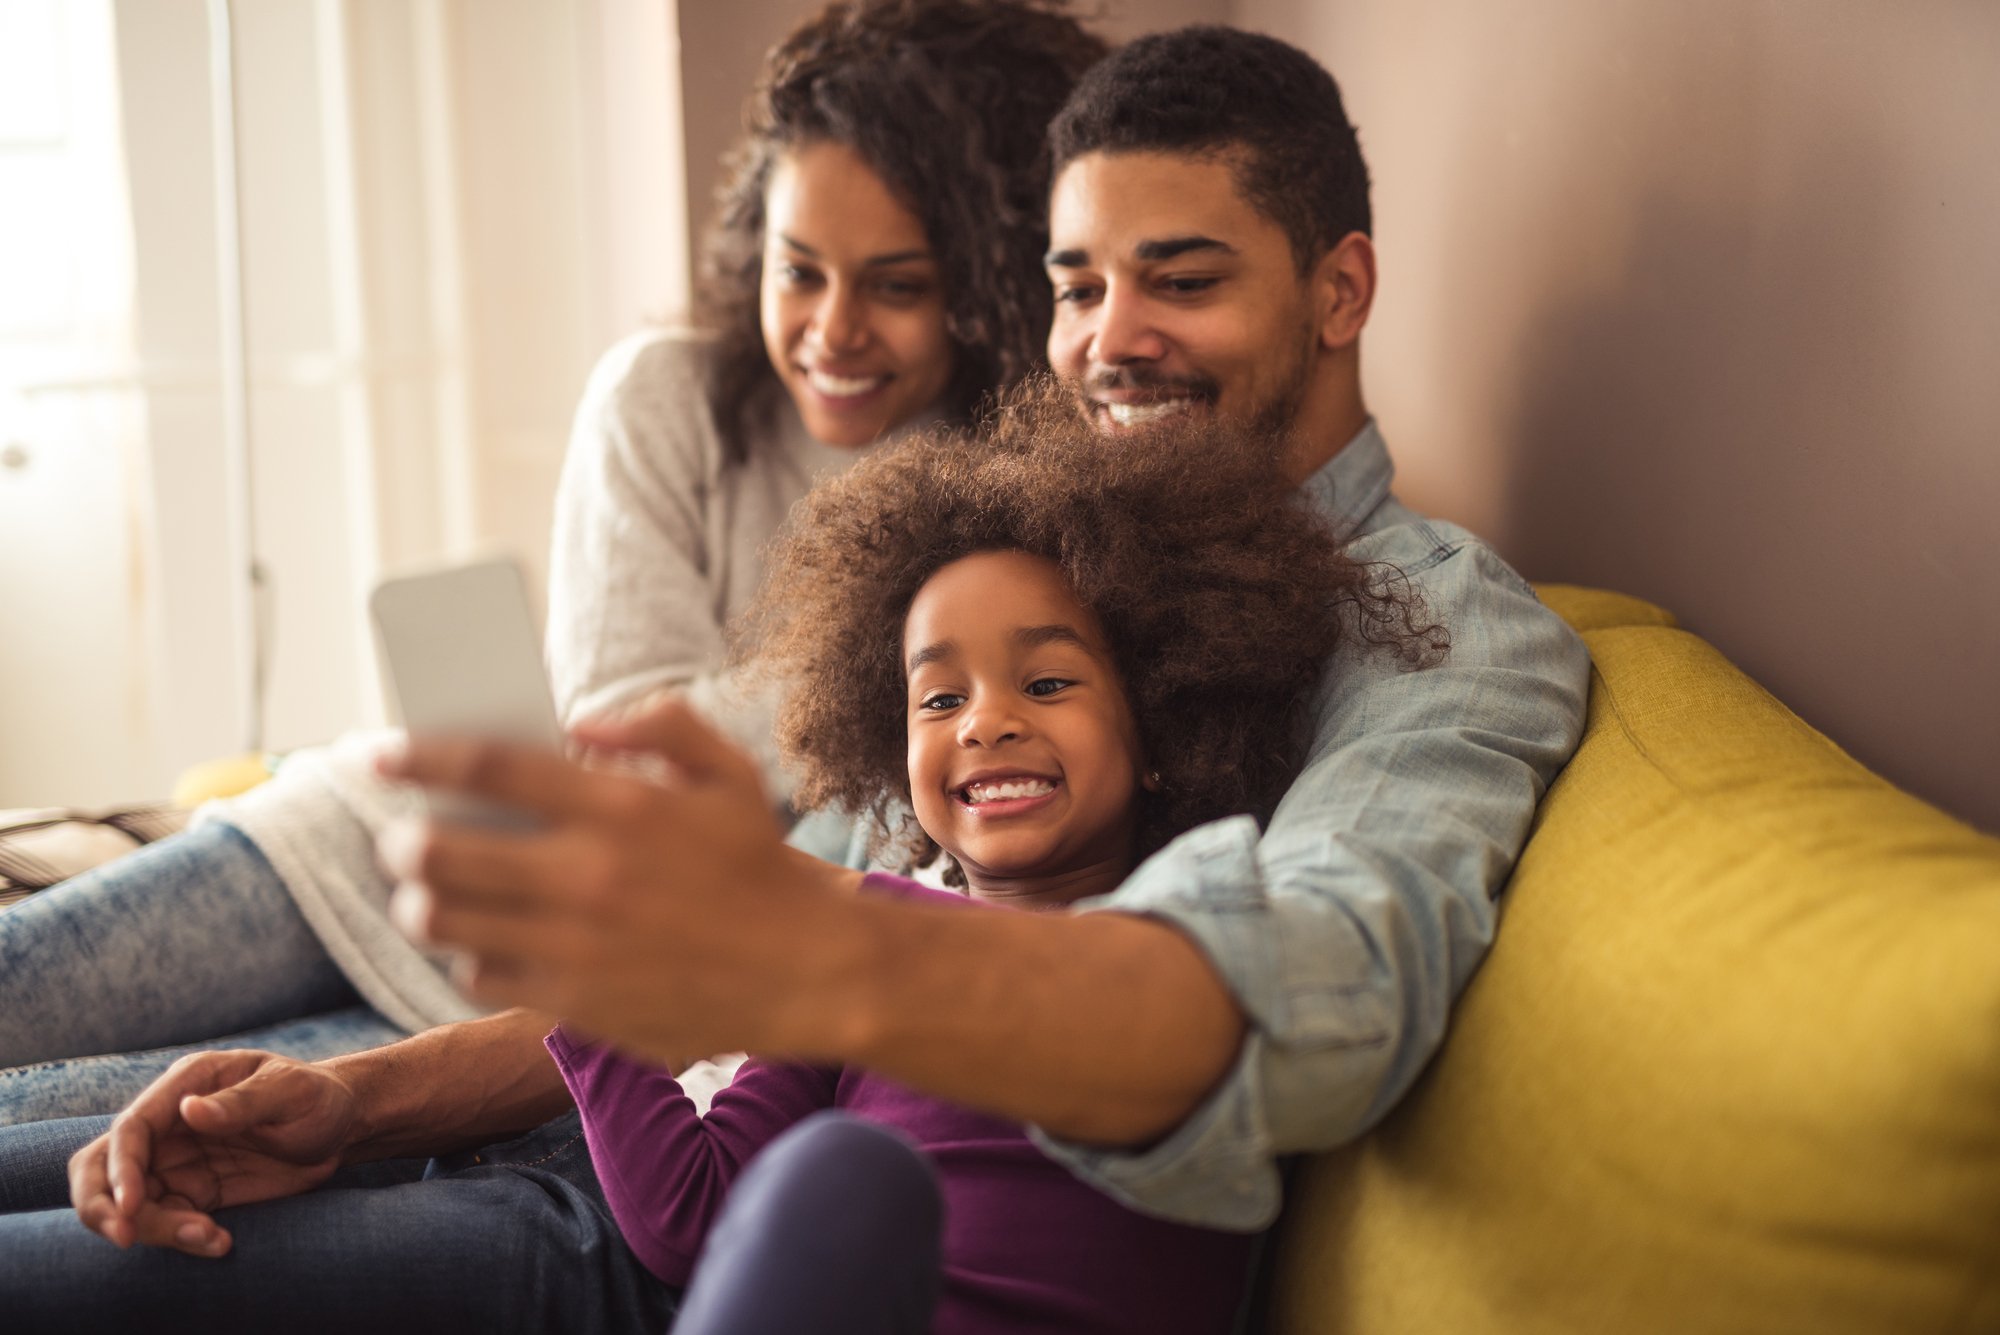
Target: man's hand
x,y
216,1129
656,905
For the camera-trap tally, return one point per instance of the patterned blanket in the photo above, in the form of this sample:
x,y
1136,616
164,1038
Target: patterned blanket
x,y
39,847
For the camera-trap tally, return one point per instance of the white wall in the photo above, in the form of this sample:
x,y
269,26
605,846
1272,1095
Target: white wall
x,y
450,207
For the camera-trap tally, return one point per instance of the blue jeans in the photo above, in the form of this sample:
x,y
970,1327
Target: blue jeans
x,y
513,1237
834,1227
189,943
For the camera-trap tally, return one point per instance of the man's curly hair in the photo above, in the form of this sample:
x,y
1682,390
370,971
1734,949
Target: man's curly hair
x,y
1269,107
947,100
1222,596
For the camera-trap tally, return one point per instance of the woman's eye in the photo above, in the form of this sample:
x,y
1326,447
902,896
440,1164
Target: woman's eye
x,y
904,289
1048,685
942,701
795,275
1074,293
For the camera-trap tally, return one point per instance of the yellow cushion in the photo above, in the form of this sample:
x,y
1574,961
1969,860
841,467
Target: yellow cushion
x,y
1733,1064
1599,609
223,777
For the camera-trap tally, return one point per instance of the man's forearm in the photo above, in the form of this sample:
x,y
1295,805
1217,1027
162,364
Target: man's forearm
x,y
1101,1028
452,1087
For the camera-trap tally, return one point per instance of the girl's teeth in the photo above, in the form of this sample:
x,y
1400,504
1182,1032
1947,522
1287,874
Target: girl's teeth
x,y
1002,792
841,386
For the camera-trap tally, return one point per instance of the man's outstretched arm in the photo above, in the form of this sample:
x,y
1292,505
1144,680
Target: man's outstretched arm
x,y
671,919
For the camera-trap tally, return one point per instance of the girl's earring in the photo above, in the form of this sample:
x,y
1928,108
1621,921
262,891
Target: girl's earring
x,y
1152,781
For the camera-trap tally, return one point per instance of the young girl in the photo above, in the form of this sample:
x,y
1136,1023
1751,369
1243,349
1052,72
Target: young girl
x,y
1057,652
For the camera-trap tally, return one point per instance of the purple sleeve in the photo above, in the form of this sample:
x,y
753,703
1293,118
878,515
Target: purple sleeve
x,y
665,1170
889,886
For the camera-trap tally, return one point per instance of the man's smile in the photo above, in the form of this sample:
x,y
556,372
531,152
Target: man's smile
x,y
1140,414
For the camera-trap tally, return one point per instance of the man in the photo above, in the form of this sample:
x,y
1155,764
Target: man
x,y
1238,998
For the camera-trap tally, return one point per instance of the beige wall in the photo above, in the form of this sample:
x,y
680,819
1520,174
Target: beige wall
x,y
1702,302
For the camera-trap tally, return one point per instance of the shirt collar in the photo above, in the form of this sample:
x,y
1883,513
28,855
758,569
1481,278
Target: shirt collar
x,y
1354,482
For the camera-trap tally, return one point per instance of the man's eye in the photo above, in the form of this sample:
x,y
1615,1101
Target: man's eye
x,y
942,701
1188,286
1074,292
1048,685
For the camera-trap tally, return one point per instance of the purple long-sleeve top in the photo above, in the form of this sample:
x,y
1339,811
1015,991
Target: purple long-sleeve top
x,y
1026,1246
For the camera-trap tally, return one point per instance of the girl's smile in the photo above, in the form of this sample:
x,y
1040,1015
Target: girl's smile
x,y
993,794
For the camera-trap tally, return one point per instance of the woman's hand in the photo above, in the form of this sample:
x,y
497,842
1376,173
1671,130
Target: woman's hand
x,y
655,905
216,1129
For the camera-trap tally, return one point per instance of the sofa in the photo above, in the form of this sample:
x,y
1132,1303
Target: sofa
x,y
1733,1064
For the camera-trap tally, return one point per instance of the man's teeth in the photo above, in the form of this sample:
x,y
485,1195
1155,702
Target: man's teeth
x,y
1138,414
843,386
1006,790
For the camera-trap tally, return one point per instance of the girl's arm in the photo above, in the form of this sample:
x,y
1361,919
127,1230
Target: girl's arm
x,y
665,1169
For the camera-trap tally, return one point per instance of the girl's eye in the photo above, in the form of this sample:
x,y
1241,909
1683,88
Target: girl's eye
x,y
1045,686
1074,293
904,289
795,275
942,701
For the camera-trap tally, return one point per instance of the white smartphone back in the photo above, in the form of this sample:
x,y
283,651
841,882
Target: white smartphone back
x,y
463,656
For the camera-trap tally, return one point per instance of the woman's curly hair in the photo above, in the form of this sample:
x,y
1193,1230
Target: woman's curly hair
x,y
947,100
1222,596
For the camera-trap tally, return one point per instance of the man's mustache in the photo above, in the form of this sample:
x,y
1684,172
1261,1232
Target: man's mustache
x,y
1144,380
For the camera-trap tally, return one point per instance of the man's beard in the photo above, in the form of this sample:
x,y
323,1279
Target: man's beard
x,y
1276,418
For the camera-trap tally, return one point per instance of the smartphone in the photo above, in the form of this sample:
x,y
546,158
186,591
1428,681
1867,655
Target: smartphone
x,y
462,655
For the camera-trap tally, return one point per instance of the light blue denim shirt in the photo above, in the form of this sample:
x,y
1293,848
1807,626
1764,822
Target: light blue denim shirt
x,y
1346,930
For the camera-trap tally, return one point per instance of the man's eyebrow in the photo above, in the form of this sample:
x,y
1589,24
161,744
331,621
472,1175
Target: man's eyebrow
x,y
872,262
1180,245
1164,249
1034,637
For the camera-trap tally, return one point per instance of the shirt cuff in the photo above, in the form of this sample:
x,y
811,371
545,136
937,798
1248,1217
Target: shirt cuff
x,y
1214,1170
1217,1168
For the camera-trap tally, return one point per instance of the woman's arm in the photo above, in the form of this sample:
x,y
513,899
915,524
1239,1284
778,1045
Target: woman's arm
x,y
632,607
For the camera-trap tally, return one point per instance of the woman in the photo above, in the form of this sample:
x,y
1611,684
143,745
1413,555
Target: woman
x,y
877,263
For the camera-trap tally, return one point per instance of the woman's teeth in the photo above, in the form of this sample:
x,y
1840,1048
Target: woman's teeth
x,y
844,386
1138,414
975,793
